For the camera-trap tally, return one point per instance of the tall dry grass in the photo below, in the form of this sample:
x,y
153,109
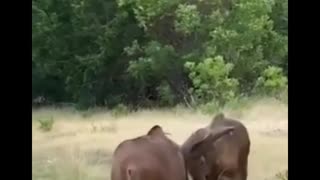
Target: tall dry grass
x,y
80,145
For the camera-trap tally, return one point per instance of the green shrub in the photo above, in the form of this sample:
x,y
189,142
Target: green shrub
x,y
238,105
46,124
211,80
272,81
209,108
188,19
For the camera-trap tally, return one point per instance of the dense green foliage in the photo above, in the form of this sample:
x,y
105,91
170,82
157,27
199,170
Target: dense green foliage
x,y
143,53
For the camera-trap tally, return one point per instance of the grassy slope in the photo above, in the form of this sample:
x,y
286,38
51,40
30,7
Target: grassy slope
x,y
80,147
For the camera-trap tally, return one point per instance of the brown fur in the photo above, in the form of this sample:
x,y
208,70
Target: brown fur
x,y
226,158
151,157
155,157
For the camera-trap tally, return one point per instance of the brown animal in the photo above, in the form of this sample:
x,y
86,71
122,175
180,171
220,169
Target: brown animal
x,y
224,159
155,157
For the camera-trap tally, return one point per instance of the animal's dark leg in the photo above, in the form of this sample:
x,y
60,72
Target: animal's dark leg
x,y
244,166
244,173
212,175
243,161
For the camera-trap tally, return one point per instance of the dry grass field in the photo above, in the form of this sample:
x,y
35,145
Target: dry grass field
x,y
80,147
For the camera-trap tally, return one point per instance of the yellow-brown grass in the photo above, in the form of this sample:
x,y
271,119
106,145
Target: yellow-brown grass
x,y
81,148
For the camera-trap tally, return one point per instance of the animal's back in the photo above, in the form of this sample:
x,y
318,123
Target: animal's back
x,y
240,136
145,158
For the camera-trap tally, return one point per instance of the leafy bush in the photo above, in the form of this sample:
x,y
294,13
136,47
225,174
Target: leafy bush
x,y
272,81
209,108
211,80
98,53
188,19
236,105
46,124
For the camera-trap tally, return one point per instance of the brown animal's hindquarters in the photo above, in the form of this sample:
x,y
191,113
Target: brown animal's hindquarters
x,y
152,156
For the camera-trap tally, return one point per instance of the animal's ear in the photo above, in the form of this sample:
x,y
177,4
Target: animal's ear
x,y
220,116
205,143
155,130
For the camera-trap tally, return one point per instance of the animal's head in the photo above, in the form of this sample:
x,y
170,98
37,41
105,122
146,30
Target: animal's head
x,y
197,145
156,131
217,118
202,140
